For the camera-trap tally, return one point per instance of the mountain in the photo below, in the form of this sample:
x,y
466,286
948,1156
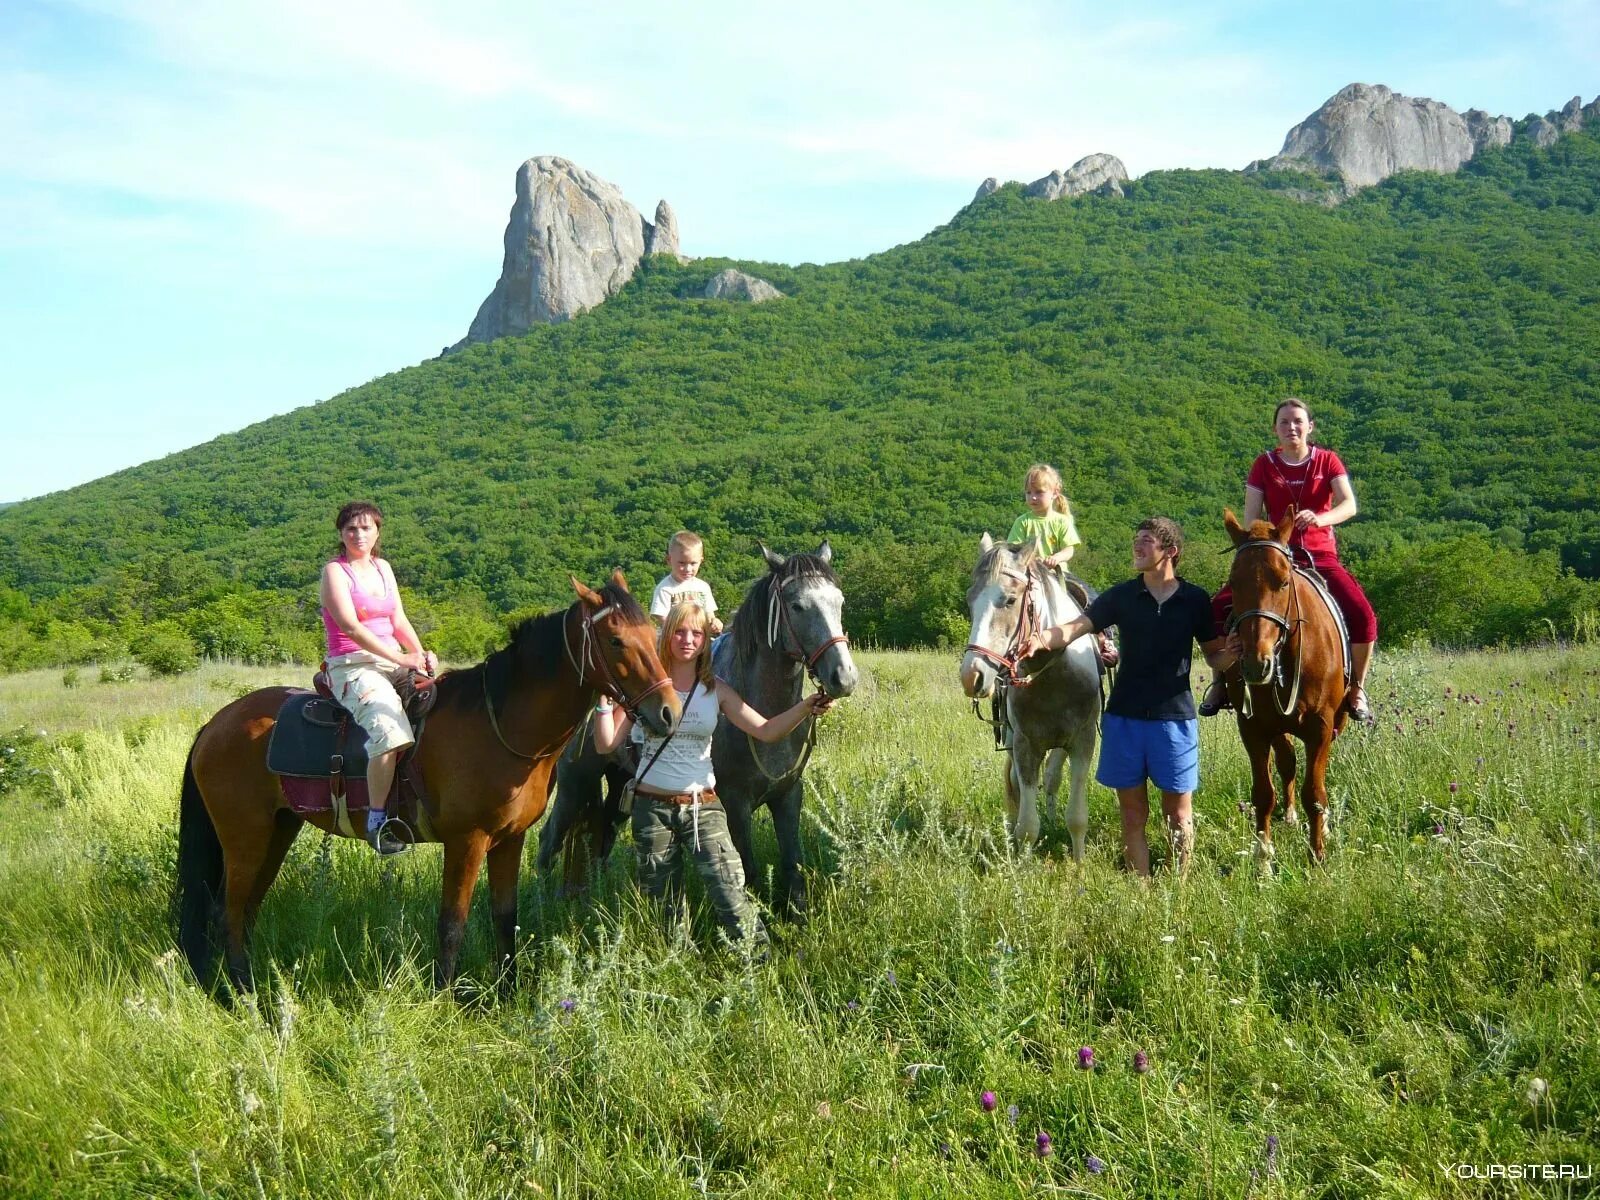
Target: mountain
x,y
1445,328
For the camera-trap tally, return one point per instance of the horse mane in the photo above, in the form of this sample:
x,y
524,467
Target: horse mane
x,y
991,568
536,650
748,629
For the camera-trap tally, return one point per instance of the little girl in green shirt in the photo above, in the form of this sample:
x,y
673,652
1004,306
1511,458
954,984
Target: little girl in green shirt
x,y
1048,522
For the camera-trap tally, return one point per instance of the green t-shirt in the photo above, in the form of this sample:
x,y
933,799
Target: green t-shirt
x,y
1053,531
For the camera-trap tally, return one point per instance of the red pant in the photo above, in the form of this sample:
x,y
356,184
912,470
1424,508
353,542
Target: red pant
x,y
1347,594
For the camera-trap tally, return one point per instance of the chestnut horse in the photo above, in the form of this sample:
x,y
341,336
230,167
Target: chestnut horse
x,y
1292,676
490,745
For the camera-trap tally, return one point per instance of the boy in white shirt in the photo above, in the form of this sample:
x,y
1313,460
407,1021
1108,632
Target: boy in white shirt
x,y
685,553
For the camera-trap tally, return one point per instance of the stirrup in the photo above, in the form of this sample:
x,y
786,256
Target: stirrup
x,y
1215,699
385,842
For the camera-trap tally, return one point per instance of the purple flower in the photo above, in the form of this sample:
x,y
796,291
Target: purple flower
x,y
944,1150
1454,787
891,978
1272,1154
1438,829
988,1101
1244,806
1141,1062
568,1004
1094,1165
1041,1144
852,1005
1012,1113
1085,1058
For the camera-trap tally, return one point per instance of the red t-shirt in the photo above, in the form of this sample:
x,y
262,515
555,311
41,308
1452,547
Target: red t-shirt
x,y
1307,485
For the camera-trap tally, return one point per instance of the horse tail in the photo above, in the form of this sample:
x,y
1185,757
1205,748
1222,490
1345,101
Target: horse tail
x,y
199,877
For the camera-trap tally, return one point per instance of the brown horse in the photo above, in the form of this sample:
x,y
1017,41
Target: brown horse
x,y
1291,679
490,745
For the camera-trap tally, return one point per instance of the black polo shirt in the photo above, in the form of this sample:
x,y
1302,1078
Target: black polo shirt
x,y
1157,645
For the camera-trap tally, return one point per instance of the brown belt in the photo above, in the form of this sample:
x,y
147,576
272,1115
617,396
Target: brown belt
x,y
706,797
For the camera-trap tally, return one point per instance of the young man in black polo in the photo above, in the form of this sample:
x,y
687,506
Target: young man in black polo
x,y
1150,730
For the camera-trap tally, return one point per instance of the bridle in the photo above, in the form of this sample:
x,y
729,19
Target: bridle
x,y
779,626
780,633
1027,625
589,658
1286,629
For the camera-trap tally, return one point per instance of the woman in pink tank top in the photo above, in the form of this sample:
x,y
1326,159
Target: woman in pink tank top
x,y
370,645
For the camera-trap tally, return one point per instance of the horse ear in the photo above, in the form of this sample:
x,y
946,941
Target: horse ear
x,y
825,551
774,561
986,544
1285,526
618,579
585,593
1235,530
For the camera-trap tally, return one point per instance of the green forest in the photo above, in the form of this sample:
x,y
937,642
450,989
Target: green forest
x,y
1445,330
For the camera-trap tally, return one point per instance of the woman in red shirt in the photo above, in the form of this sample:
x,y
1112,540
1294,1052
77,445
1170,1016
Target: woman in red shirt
x,y
1313,482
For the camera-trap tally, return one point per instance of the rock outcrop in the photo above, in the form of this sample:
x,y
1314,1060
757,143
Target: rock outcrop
x,y
1366,133
736,285
662,236
1102,174
988,187
572,241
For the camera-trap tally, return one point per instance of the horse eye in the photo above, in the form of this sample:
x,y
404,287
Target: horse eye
x,y
616,641
1011,601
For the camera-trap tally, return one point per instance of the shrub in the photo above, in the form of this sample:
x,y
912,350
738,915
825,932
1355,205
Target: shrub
x,y
164,649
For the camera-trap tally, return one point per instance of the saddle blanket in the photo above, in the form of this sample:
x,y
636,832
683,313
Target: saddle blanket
x,y
301,753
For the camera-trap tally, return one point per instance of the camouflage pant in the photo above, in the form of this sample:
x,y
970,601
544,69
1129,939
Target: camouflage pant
x,y
662,832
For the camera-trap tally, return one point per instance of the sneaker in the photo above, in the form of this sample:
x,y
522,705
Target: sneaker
x,y
1215,699
1356,703
384,841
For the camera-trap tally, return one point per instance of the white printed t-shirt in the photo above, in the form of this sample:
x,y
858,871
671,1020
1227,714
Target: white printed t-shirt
x,y
669,592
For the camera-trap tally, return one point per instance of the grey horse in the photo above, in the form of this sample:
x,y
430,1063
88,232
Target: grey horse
x,y
788,626
1051,702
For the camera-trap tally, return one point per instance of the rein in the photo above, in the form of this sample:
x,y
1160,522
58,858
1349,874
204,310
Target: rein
x,y
1286,630
1027,624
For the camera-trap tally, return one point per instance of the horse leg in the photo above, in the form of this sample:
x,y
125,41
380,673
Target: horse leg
x,y
1283,758
1316,800
286,827
791,898
737,809
505,864
1025,776
1054,759
463,859
1262,797
1078,795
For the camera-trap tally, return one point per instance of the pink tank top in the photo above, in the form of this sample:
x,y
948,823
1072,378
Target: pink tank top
x,y
374,612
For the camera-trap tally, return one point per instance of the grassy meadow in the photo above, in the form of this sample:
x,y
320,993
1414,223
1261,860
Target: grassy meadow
x,y
1431,997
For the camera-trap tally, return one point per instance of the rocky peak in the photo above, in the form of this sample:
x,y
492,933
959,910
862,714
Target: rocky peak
x,y
736,285
1102,174
572,242
988,187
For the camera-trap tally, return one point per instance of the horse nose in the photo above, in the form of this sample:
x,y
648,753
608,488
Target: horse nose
x,y
663,717
974,680
842,679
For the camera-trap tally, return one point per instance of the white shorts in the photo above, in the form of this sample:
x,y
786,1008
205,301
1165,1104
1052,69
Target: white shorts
x,y
363,683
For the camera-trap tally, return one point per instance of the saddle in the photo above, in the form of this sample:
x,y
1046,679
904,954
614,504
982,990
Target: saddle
x,y
319,754
1320,585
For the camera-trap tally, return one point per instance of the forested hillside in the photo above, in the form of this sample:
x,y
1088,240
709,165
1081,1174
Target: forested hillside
x,y
1446,330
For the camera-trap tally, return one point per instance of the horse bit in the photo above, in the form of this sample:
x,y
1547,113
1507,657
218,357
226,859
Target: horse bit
x,y
1285,631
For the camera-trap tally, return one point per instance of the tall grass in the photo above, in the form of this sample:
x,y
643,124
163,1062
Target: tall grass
x,y
1351,1030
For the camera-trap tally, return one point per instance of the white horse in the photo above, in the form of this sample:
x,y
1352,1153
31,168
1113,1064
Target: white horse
x,y
1046,708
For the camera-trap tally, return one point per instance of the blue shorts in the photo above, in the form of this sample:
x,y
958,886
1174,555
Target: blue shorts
x,y
1132,750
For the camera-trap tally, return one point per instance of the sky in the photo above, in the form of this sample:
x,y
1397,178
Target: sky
x,y
216,211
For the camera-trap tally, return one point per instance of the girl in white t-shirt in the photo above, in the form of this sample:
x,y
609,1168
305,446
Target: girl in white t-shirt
x,y
675,807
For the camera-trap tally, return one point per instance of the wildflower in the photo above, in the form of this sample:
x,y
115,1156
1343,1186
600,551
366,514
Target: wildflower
x,y
1094,1165
1012,1113
1438,829
1141,1062
1272,1154
1244,806
852,1005
824,1110
1041,1144
891,978
1454,787
988,1101
944,1150
1085,1058
1538,1092
568,1004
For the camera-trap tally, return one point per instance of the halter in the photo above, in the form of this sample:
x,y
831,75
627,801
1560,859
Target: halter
x,y
1027,625
1286,628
